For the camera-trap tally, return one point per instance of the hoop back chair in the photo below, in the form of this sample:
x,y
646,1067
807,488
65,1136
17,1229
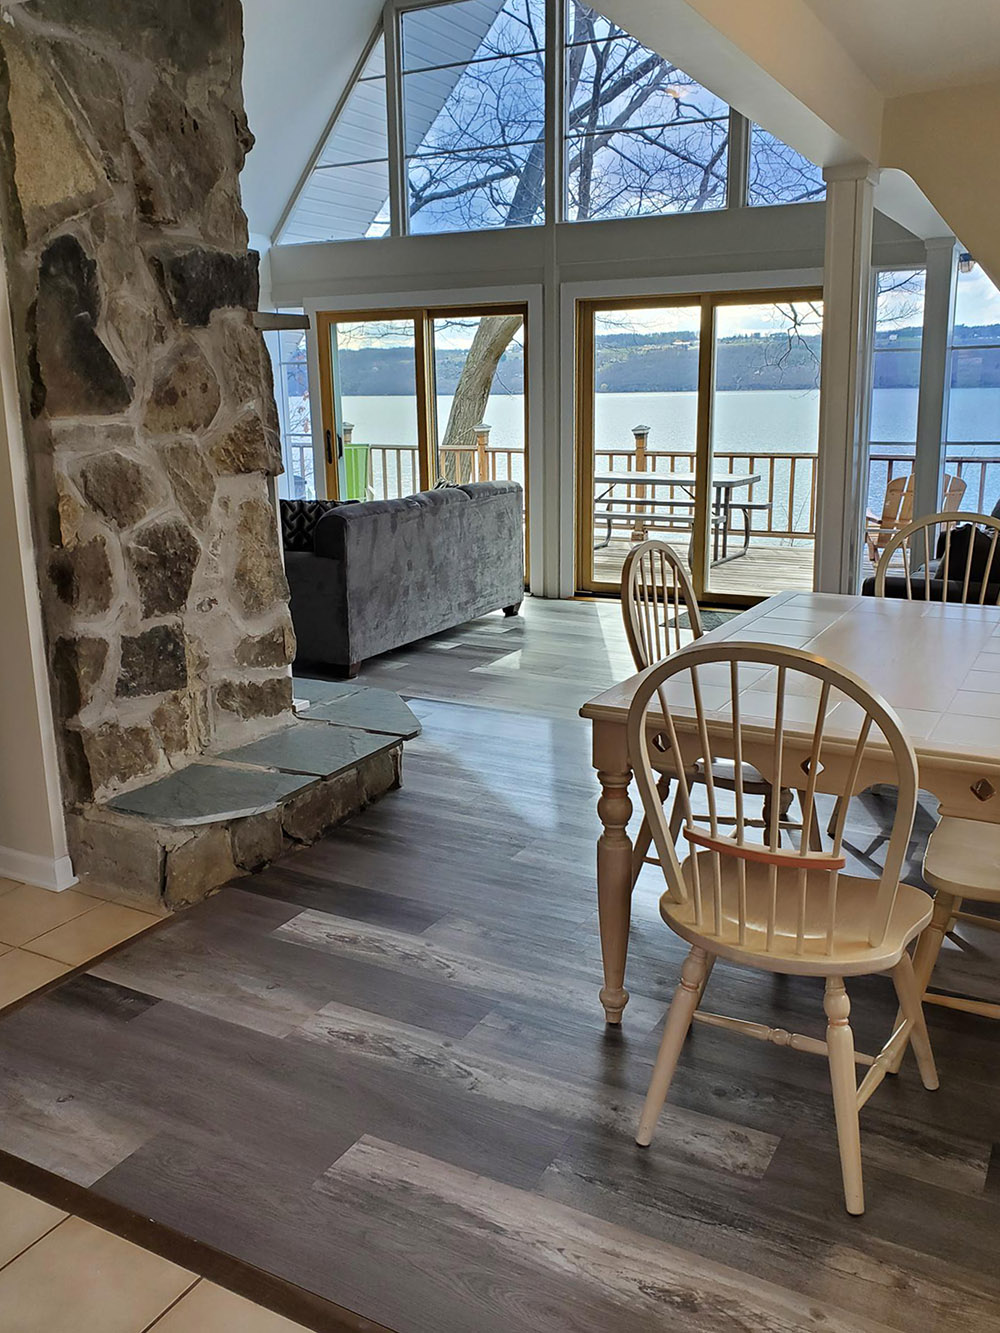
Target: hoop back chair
x,y
656,590
962,576
962,858
757,903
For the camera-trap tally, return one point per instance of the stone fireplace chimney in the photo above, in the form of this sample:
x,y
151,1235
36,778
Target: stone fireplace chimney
x,y
146,391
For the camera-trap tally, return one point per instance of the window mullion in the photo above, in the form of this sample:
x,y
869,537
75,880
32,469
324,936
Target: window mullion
x,y
398,199
738,161
555,108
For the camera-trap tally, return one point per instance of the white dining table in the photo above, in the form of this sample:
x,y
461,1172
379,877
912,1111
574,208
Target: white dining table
x,y
937,664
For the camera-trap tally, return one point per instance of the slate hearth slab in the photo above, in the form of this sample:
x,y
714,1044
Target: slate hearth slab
x,y
323,691
372,710
206,792
312,747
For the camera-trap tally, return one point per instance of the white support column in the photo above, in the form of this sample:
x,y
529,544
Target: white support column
x,y
556,541
935,376
843,423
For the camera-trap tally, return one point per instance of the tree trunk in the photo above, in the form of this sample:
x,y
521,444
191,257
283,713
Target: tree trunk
x,y
458,445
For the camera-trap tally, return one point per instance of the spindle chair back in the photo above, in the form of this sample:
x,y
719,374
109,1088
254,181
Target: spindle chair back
x,y
957,576
656,592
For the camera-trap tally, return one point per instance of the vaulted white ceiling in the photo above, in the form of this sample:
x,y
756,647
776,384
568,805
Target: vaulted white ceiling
x,y
299,58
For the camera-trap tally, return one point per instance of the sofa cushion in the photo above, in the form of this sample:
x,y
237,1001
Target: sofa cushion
x,y
331,530
298,522
895,586
958,551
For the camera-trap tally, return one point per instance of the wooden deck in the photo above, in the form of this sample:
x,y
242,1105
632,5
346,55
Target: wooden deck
x,y
767,568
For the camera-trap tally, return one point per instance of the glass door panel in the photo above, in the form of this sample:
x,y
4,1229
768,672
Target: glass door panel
x,y
479,429
761,520
638,418
374,380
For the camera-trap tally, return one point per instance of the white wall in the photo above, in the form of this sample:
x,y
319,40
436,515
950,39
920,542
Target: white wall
x,y
32,831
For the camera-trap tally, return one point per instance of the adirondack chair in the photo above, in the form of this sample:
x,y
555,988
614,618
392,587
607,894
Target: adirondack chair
x,y
897,510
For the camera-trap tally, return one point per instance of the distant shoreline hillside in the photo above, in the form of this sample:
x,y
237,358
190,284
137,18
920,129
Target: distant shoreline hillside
x,y
659,363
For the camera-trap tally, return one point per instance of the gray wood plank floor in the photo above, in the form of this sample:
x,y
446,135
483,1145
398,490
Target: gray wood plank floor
x,y
379,1069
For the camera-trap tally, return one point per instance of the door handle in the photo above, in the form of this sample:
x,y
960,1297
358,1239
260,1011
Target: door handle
x,y
329,448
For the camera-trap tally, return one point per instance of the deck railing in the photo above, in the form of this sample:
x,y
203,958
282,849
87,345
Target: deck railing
x,y
787,483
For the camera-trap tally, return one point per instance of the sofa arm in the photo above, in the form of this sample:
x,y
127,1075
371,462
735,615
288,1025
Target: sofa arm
x,y
328,536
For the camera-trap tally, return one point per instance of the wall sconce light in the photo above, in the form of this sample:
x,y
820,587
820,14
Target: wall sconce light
x,y
965,262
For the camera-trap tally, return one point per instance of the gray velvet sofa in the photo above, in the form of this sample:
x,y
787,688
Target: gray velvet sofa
x,y
369,577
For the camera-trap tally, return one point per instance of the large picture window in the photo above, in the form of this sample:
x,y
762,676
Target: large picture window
x,y
445,130
973,433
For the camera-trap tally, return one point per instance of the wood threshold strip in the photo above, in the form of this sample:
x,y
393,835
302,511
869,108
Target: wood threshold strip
x,y
274,1293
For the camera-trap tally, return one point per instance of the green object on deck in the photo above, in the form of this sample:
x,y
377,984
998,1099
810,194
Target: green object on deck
x,y
356,460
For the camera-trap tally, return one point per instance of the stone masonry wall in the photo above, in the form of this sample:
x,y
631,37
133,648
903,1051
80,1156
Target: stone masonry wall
x,y
146,390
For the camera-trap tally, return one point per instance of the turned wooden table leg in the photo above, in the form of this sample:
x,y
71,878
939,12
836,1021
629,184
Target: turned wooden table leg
x,y
614,864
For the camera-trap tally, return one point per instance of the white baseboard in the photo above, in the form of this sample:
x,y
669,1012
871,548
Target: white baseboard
x,y
46,872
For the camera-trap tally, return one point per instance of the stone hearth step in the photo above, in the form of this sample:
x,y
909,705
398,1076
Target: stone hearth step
x,y
181,836
358,706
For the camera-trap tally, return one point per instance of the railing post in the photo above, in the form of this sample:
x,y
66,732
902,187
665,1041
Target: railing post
x,y
482,441
641,434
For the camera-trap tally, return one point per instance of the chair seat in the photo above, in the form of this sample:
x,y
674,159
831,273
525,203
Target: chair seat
x,y
963,858
851,953
724,777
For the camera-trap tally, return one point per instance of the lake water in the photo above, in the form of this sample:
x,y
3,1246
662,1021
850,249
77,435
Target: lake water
x,y
761,421
768,421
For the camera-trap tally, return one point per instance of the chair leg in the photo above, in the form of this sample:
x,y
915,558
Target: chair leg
x,y
835,815
640,848
925,955
705,979
840,1051
784,805
912,1008
679,1017
676,819
815,832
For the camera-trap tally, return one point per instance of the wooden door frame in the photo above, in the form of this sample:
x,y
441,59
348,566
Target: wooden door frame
x,y
706,303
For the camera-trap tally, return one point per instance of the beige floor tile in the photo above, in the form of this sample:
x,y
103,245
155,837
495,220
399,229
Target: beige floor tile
x,y
81,1278
23,1220
7,884
212,1309
27,911
21,973
83,938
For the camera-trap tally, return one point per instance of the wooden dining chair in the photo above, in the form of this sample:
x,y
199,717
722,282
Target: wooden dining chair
x,y
781,909
656,592
930,560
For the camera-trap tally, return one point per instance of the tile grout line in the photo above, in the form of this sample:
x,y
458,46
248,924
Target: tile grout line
x,y
173,1305
14,1258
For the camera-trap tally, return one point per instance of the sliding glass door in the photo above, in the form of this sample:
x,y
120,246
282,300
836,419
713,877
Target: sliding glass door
x,y
479,423
698,422
638,422
413,397
764,442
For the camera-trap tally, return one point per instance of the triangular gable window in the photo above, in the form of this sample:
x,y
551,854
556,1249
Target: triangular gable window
x,y
778,174
347,194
